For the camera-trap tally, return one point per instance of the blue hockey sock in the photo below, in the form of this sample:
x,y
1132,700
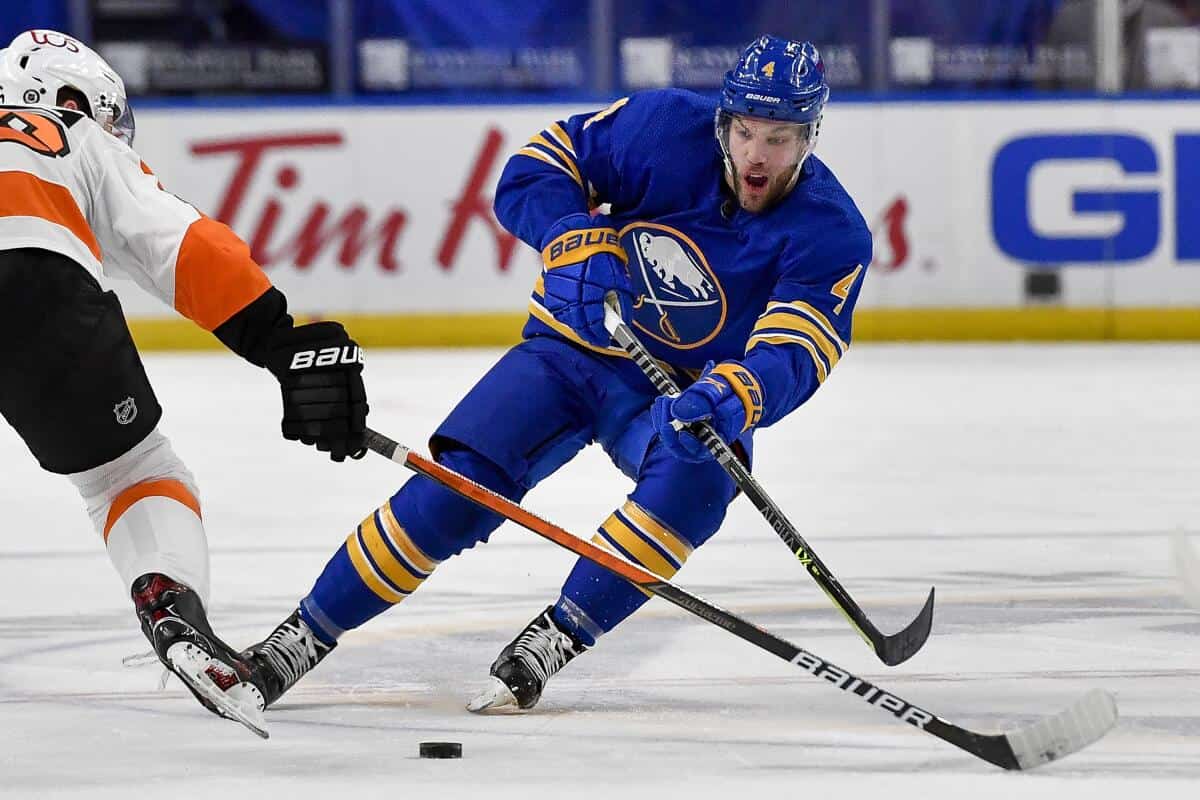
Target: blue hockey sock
x,y
593,599
377,567
389,555
345,596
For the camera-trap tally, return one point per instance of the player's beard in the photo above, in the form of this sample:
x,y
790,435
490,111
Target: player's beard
x,y
776,189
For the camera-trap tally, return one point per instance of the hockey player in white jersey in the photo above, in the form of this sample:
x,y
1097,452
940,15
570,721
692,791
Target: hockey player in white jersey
x,y
76,202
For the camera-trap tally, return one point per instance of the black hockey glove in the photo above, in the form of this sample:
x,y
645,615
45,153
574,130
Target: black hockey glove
x,y
319,368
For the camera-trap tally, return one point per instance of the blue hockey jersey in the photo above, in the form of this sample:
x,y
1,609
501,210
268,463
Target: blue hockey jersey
x,y
775,290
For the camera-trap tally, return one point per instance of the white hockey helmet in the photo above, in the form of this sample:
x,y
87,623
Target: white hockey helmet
x,y
39,64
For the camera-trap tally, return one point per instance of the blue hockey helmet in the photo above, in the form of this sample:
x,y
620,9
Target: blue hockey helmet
x,y
777,79
780,80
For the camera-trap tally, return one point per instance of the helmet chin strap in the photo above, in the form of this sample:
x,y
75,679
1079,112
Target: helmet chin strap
x,y
808,151
791,184
724,149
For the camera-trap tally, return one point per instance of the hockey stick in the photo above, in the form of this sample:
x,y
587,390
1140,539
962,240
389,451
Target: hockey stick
x,y
892,649
1050,738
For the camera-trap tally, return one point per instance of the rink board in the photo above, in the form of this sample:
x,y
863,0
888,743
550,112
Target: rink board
x,y
384,214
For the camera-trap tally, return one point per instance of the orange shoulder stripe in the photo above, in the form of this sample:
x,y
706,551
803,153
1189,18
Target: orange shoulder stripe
x,y
140,491
215,277
149,172
26,195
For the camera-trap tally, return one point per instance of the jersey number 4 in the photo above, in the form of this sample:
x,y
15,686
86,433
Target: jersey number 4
x,y
38,132
841,289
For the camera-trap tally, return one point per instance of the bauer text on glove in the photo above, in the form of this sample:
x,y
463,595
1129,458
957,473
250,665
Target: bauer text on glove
x,y
728,396
319,368
583,262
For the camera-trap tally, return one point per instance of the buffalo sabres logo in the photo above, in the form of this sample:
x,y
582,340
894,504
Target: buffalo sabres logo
x,y
677,299
125,411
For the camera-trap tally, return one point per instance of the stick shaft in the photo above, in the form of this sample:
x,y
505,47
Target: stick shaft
x,y
992,748
746,482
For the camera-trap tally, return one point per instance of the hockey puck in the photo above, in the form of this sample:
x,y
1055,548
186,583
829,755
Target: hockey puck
x,y
441,749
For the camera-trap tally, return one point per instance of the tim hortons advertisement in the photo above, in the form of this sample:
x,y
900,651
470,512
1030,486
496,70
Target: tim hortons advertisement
x,y
379,211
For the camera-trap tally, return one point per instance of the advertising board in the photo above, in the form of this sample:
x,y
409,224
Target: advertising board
x,y
386,212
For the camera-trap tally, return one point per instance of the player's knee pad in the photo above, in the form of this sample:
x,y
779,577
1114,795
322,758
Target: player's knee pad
x,y
145,505
151,459
690,503
441,522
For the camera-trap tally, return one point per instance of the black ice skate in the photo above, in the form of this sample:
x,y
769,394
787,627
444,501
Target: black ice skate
x,y
520,672
286,656
173,620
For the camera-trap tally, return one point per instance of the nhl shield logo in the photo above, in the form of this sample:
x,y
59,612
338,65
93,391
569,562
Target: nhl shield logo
x,y
677,299
125,411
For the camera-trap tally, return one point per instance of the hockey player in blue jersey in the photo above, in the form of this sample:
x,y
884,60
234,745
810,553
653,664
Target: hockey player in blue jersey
x,y
738,260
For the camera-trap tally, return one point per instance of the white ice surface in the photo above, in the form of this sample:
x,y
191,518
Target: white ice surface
x,y
1037,487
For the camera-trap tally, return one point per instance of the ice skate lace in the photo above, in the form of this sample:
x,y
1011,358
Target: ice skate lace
x,y
146,659
544,650
291,650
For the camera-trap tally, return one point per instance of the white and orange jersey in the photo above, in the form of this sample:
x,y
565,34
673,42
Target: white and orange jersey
x,y
68,186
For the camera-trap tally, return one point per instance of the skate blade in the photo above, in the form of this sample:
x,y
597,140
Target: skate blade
x,y
190,662
497,697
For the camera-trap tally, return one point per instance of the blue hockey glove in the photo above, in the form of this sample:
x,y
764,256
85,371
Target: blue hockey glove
x,y
729,396
583,262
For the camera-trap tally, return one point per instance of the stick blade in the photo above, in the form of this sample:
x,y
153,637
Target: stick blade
x,y
1086,721
900,647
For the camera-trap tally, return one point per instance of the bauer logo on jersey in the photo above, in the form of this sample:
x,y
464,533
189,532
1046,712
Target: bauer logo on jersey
x,y
125,411
677,299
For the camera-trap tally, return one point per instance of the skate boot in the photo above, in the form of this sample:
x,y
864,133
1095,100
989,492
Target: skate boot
x,y
172,618
520,672
286,656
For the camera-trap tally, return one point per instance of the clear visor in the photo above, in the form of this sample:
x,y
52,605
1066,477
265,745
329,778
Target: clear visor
x,y
799,135
118,121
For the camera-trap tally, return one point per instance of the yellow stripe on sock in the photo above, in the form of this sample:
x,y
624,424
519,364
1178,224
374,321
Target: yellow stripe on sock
x,y
600,541
404,543
637,547
666,537
391,568
367,573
